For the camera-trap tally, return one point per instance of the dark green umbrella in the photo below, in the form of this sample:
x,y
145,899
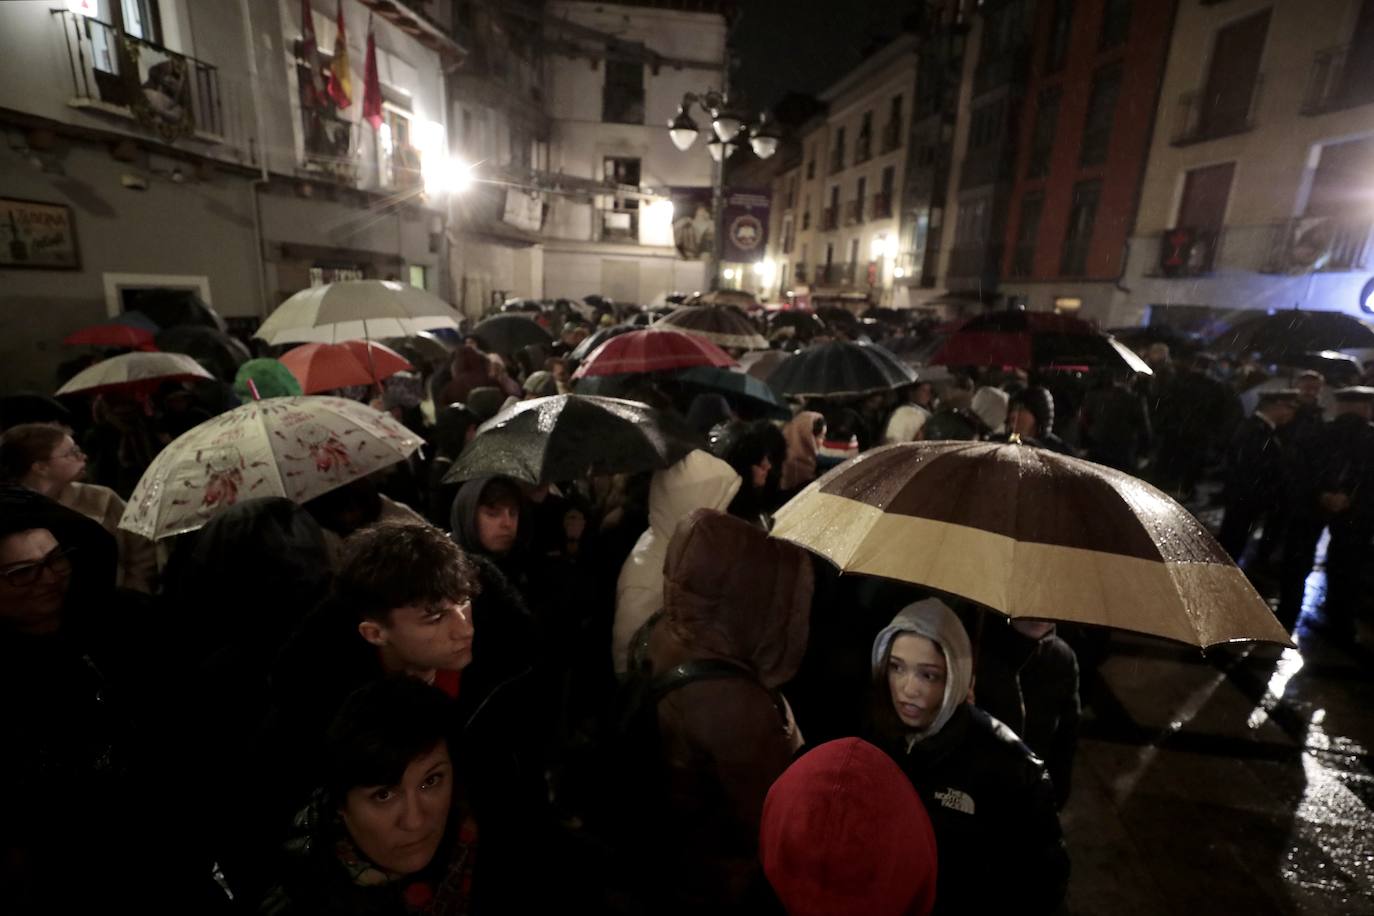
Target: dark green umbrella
x,y
840,369
734,385
510,333
571,436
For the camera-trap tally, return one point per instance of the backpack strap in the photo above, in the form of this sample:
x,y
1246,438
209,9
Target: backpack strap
x,y
710,669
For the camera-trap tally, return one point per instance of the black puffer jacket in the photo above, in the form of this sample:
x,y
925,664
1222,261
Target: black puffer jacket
x,y
992,806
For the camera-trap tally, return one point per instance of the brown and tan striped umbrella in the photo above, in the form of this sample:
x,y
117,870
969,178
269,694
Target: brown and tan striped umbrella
x,y
1030,533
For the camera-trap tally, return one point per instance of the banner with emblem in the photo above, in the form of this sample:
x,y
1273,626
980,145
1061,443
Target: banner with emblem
x,y
746,225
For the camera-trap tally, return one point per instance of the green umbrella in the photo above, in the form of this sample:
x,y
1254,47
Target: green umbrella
x,y
271,378
736,385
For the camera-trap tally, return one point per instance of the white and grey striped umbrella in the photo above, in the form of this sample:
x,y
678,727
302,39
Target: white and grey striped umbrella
x,y
357,310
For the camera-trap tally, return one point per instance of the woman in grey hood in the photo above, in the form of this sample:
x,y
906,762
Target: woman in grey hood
x,y
990,802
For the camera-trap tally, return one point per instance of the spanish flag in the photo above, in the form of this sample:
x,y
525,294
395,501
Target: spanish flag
x,y
340,76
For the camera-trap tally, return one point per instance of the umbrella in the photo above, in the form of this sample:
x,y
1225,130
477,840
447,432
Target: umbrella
x,y
292,447
571,436
592,341
510,333
804,325
652,350
736,297
325,367
131,330
170,308
32,407
357,310
1030,533
269,377
723,325
211,347
1291,332
840,368
135,373
423,349
1033,339
763,363
734,384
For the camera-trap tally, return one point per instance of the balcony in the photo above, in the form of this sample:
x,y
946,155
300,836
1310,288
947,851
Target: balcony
x,y
1206,114
892,136
837,161
853,212
619,225
799,273
1187,252
882,205
167,93
863,148
1319,244
834,275
830,219
1331,86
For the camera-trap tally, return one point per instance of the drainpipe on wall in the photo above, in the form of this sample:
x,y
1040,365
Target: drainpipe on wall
x,y
260,151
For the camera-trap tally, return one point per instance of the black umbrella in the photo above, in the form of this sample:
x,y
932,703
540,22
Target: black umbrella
x,y
219,353
735,386
509,334
169,308
592,341
31,407
1278,335
838,369
571,436
805,325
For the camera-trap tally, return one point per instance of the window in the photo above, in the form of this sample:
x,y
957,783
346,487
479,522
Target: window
x,y
1116,23
622,96
806,214
853,255
1023,256
986,127
1082,214
1060,26
863,147
892,130
837,155
400,161
882,207
811,163
860,193
832,215
1205,195
1097,132
1232,77
142,19
622,170
419,276
1042,138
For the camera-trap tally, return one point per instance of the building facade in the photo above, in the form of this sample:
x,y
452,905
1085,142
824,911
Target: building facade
x,y
615,75
172,144
1084,140
1261,171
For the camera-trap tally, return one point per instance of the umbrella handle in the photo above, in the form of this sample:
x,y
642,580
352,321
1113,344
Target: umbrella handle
x,y
252,386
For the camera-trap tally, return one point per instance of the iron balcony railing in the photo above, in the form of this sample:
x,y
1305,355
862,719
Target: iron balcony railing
x,y
863,148
620,225
853,212
892,136
1326,244
1331,86
830,219
175,93
1209,113
882,205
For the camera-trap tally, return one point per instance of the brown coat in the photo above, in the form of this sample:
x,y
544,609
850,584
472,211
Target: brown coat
x,y
730,592
137,555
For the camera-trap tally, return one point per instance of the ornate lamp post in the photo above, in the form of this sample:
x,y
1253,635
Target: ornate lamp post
x,y
731,129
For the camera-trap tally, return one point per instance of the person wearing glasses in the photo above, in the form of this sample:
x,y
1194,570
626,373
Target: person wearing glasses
x,y
45,458
84,679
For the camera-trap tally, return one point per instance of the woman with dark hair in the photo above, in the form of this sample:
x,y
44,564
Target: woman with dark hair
x,y
756,451
988,797
385,832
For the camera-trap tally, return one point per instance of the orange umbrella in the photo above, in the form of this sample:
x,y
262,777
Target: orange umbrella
x,y
325,367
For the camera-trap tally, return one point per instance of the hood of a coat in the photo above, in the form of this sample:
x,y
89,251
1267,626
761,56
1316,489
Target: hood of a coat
x,y
698,481
731,591
463,518
844,831
934,620
95,555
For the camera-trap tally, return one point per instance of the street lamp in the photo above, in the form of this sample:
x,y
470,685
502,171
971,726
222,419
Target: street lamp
x,y
682,129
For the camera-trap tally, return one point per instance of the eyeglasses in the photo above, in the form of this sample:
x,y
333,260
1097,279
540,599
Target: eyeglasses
x,y
58,562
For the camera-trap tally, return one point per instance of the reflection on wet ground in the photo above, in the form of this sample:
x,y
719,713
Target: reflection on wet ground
x,y
1239,782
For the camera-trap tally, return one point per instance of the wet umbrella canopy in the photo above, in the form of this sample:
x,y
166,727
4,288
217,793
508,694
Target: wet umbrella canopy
x,y
723,325
571,436
1285,334
1030,533
507,334
840,368
212,348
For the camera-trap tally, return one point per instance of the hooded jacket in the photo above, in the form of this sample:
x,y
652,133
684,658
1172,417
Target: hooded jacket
x,y
799,467
983,789
844,832
730,593
698,481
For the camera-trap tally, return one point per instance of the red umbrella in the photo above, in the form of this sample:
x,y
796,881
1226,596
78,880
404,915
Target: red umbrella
x,y
1030,339
652,350
325,367
132,330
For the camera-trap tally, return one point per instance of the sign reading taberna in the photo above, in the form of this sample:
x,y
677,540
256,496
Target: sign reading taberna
x,y
746,225
37,234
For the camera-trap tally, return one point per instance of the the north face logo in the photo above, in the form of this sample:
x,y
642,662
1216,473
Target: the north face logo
x,y
955,800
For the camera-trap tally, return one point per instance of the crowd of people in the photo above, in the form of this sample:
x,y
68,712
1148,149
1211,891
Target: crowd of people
x,y
616,693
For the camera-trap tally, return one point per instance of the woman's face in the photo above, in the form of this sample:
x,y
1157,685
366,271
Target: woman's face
x,y
916,674
399,827
66,463
759,472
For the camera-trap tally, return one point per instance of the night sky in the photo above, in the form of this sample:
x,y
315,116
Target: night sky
x,y
804,45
